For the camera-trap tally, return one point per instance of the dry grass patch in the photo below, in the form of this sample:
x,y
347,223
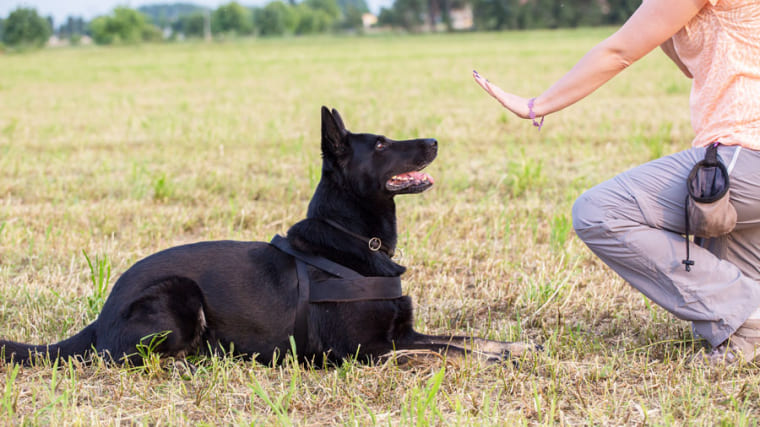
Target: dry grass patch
x,y
121,152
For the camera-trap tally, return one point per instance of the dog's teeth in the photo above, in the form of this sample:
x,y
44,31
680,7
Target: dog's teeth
x,y
409,179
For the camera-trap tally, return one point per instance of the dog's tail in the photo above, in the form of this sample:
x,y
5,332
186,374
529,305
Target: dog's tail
x,y
80,344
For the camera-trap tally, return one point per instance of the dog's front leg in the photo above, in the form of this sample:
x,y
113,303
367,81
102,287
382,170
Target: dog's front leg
x,y
489,350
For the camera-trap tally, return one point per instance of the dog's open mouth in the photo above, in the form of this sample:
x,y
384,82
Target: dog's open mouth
x,y
409,182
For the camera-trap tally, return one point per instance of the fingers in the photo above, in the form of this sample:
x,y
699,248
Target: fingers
x,y
484,83
492,89
513,103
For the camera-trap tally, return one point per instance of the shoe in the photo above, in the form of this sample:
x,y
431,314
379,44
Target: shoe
x,y
741,347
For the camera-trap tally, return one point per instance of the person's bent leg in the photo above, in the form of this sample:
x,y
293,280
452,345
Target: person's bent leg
x,y
742,246
634,223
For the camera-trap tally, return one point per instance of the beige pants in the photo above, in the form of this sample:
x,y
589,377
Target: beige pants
x,y
635,224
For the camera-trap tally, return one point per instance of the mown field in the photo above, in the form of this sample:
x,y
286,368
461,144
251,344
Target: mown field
x,y
115,153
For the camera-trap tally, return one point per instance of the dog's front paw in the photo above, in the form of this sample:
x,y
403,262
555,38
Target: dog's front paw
x,y
520,349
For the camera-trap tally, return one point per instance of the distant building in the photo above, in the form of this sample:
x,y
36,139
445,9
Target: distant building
x,y
368,20
55,41
462,19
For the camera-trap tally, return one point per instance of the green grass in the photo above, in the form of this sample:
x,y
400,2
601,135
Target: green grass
x,y
120,152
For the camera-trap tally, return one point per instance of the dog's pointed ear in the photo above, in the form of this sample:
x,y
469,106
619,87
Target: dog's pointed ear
x,y
333,133
339,120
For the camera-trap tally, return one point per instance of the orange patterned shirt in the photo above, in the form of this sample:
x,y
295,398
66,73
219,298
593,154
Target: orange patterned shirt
x,y
721,48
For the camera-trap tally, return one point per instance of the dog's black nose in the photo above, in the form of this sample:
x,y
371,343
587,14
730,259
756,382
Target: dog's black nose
x,y
432,142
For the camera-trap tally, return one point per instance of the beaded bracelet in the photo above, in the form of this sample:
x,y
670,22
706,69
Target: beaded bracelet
x,y
532,115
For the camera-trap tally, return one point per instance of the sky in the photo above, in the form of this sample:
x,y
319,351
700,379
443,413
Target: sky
x,y
88,9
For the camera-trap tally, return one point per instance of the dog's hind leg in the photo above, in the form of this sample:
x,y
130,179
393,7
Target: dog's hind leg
x,y
168,319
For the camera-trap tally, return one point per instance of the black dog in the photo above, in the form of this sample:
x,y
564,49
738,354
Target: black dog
x,y
334,291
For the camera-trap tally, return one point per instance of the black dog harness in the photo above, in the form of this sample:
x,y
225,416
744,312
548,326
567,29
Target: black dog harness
x,y
346,286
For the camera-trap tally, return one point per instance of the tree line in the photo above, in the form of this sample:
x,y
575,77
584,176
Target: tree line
x,y
25,27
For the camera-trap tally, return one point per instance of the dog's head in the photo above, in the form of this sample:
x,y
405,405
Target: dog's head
x,y
374,165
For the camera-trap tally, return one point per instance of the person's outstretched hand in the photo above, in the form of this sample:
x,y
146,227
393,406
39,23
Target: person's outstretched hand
x,y
513,103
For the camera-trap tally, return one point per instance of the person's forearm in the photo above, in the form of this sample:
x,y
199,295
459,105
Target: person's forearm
x,y
652,25
598,66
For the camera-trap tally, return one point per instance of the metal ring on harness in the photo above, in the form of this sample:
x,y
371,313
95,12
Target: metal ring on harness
x,y
375,244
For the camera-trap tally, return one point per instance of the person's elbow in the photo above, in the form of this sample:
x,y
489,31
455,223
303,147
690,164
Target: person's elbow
x,y
620,58
621,52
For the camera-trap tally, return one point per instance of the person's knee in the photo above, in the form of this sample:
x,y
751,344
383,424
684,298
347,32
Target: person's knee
x,y
588,215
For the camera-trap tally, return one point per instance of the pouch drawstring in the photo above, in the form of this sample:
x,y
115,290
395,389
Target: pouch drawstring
x,y
687,262
711,160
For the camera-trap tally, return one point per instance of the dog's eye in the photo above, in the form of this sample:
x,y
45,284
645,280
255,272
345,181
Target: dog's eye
x,y
380,145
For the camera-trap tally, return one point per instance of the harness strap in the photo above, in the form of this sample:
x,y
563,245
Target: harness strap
x,y
366,288
301,326
323,264
347,286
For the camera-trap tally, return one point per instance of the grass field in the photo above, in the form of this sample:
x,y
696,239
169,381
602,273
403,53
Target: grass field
x,y
119,152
